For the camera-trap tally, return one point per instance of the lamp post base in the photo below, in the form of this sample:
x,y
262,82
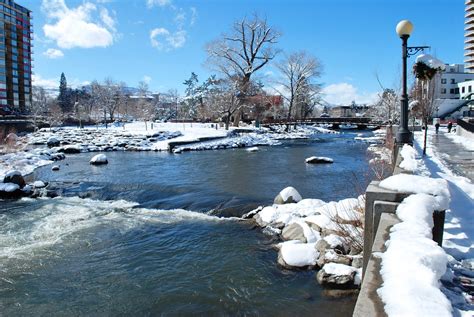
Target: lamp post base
x,y
404,137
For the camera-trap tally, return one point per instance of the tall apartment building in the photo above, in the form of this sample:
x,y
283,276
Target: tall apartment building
x,y
469,36
15,57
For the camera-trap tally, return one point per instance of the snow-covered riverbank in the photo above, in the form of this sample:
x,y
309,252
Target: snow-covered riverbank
x,y
316,234
47,143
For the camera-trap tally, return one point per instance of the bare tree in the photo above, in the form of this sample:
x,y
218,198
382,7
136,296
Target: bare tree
x,y
223,100
40,105
245,50
297,73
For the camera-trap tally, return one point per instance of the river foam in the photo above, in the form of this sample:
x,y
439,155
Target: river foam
x,y
45,222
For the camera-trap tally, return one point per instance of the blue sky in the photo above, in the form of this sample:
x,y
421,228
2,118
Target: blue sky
x,y
163,41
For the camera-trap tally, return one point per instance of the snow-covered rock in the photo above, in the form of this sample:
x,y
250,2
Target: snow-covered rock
x,y
297,254
336,274
14,177
52,141
39,184
287,196
55,168
319,160
331,256
253,149
9,187
99,159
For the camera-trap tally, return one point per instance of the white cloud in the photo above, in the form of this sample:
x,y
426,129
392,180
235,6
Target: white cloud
x,y
53,83
53,53
345,93
147,79
78,27
169,40
194,16
158,3
47,83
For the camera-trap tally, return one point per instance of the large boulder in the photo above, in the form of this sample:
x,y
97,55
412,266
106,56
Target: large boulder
x,y
71,149
14,177
10,190
287,196
99,159
293,231
294,254
52,141
335,274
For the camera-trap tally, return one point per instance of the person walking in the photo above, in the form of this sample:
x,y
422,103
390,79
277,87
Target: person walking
x,y
450,126
437,127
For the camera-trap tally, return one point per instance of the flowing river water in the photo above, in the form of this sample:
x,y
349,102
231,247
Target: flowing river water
x,y
145,239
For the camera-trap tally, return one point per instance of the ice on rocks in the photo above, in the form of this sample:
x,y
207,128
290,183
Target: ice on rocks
x,y
8,187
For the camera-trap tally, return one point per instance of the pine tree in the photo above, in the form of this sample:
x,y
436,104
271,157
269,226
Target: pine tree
x,y
64,98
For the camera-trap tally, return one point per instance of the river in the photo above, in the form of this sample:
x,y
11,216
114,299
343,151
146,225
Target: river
x,y
167,253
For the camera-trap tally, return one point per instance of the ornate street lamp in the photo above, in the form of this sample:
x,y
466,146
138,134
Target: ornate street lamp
x,y
404,29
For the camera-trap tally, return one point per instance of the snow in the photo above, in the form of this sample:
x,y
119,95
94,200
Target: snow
x,y
338,269
8,187
409,162
39,184
413,263
290,192
430,61
12,173
299,254
419,184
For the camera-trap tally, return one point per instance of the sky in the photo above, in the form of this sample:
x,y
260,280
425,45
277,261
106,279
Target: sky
x,y
162,41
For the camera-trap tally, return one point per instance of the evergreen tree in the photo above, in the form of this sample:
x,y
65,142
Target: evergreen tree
x,y
64,98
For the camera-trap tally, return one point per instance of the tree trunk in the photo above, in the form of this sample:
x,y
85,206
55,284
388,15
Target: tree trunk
x,y
425,136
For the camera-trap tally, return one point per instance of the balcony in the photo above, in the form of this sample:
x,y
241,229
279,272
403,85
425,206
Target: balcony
x,y
469,52
469,47
469,21
469,59
469,7
469,27
469,14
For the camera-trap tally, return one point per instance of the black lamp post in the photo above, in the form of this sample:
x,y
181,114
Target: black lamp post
x,y
404,29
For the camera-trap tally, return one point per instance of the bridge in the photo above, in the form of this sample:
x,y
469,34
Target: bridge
x,y
336,122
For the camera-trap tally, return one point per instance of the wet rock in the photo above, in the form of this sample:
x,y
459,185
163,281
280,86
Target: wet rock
x,y
14,177
319,160
339,293
357,261
71,149
293,232
99,159
334,274
331,256
322,245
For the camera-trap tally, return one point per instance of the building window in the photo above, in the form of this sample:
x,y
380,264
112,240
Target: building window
x,y
451,91
443,90
453,81
456,91
443,80
469,89
463,89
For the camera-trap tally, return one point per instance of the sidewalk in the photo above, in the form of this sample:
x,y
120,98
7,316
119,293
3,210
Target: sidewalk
x,y
455,163
457,158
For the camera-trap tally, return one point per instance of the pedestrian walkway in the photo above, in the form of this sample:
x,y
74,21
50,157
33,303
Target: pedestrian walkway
x,y
455,163
459,159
